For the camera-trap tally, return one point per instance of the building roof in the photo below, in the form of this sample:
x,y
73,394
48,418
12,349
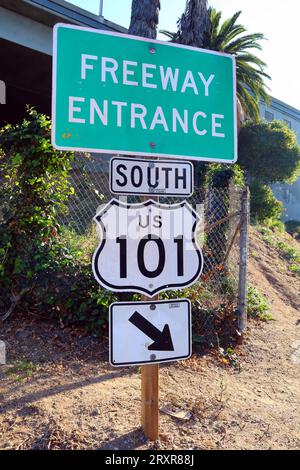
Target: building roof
x,y
284,108
50,12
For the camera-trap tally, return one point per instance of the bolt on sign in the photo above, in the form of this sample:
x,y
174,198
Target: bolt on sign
x,y
114,93
149,332
147,247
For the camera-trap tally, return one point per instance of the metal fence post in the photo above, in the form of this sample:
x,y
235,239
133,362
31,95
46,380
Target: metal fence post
x,y
244,236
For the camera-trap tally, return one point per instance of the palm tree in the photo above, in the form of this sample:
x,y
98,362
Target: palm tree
x,y
144,18
229,38
193,24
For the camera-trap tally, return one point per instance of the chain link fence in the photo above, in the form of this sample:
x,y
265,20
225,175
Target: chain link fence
x,y
215,295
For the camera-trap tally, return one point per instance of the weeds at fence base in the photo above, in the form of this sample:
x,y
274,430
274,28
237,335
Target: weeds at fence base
x,y
21,370
214,328
257,305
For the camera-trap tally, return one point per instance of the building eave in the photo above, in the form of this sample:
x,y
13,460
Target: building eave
x,y
283,108
50,12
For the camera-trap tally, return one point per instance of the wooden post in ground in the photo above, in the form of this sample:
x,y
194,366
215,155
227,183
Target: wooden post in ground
x,y
150,411
149,388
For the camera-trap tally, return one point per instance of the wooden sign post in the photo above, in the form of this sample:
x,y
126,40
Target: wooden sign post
x,y
150,411
149,388
150,396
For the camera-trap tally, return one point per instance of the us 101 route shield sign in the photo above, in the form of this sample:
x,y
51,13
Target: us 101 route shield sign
x,y
147,247
114,93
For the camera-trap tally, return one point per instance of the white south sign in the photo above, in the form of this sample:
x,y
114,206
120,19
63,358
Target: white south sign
x,y
147,247
149,332
159,177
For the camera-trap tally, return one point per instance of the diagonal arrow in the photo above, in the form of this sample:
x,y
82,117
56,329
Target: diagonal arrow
x,y
162,339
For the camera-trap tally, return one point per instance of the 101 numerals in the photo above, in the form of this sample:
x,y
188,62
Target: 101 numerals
x,y
161,261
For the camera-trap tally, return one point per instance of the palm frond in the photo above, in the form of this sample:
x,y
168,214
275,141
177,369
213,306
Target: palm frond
x,y
248,102
229,25
232,38
248,41
171,35
248,57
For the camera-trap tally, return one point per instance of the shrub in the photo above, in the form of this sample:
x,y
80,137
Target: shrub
x,y
264,207
268,151
41,269
293,228
295,268
257,306
219,175
34,188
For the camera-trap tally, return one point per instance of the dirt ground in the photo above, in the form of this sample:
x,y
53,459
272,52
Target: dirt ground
x,y
72,399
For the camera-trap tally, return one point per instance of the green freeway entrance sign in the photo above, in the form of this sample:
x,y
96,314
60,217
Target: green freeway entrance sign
x,y
114,93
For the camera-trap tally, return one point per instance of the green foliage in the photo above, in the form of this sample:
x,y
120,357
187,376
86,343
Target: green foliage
x,y
229,37
74,297
230,357
82,245
288,252
257,306
219,175
268,151
19,370
276,225
293,228
43,269
264,207
21,366
34,189
295,268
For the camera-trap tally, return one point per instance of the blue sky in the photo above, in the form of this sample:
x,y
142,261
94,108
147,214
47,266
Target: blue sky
x,y
274,18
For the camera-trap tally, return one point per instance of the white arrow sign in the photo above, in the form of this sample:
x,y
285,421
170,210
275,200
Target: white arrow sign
x,y
149,332
147,247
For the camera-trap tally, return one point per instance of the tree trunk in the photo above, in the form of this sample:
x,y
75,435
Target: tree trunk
x,y
194,23
240,115
144,18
